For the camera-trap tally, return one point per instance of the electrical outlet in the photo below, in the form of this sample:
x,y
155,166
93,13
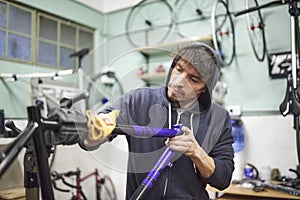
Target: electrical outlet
x,y
234,110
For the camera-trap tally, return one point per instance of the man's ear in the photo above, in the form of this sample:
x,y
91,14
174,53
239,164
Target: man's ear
x,y
203,90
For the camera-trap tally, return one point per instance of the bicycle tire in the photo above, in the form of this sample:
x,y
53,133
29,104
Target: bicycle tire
x,y
149,22
256,31
189,12
223,32
106,189
102,93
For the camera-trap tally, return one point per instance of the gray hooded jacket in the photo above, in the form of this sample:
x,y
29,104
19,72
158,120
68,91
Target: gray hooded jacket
x,y
210,123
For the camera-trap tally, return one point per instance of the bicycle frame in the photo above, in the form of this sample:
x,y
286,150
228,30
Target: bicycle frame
x,y
79,180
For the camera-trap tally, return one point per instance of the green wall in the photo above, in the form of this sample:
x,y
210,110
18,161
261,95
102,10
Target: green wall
x,y
248,81
249,84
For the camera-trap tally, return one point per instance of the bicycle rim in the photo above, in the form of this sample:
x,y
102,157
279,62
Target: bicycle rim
x,y
256,32
223,32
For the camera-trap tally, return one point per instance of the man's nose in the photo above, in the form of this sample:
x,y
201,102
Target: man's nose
x,y
180,81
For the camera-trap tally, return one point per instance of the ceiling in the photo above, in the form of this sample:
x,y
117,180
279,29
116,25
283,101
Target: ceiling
x,y
106,6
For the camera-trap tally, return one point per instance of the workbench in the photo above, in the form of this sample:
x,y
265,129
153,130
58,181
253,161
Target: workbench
x,y
236,191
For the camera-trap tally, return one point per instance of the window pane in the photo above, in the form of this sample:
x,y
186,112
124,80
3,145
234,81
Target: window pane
x,y
19,20
2,43
3,10
48,28
68,34
19,47
65,60
85,39
47,54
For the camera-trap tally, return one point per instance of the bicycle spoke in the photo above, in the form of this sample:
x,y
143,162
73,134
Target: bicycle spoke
x,y
223,32
149,23
189,14
255,27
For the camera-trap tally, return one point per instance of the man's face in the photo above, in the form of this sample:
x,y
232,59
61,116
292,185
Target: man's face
x,y
185,84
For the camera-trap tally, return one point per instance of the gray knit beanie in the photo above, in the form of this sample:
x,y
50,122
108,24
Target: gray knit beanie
x,y
207,63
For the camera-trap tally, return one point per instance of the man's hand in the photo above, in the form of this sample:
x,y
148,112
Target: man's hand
x,y
185,143
100,127
188,145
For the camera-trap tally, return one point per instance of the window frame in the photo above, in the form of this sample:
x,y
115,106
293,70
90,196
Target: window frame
x,y
7,31
35,37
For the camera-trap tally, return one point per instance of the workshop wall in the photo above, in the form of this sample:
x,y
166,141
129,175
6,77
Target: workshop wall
x,y
248,81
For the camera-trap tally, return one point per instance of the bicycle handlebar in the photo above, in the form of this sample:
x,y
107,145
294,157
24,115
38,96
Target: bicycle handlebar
x,y
60,176
67,103
272,3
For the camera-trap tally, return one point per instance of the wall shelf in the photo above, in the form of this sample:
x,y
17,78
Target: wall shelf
x,y
153,78
171,47
166,48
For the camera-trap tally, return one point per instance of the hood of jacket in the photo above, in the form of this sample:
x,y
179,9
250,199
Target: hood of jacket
x,y
206,61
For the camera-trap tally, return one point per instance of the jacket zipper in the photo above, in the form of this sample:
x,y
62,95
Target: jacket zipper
x,y
178,116
170,164
165,188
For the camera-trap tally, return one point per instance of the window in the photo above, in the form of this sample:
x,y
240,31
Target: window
x,y
16,32
36,37
58,40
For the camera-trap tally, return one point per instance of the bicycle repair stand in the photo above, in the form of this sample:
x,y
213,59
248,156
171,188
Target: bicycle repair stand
x,y
291,102
62,127
36,151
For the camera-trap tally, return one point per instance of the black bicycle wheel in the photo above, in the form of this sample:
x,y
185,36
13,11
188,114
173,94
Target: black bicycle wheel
x,y
106,189
223,32
256,31
149,22
103,89
188,14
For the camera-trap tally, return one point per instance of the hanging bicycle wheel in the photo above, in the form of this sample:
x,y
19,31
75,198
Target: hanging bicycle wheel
x,y
149,22
104,89
256,31
188,14
223,31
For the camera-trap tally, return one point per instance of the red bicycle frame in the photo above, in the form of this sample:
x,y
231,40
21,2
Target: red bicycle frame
x,y
79,180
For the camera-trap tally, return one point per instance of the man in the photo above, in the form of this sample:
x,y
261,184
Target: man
x,y
206,140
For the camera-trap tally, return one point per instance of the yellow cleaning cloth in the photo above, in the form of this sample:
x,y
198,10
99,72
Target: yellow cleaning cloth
x,y
98,129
